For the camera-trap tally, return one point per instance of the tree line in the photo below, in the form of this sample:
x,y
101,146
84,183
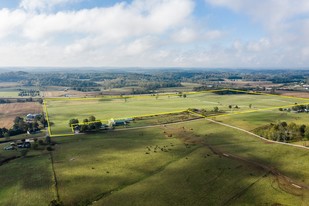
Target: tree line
x,y
29,92
88,124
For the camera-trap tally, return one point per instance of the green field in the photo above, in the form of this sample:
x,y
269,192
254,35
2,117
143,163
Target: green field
x,y
62,110
113,168
187,163
12,94
250,121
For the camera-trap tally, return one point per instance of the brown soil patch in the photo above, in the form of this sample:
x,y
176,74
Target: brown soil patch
x,y
296,94
8,84
8,112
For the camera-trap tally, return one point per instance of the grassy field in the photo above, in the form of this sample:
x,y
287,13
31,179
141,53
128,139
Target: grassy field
x,y
27,181
251,121
188,163
60,111
129,168
9,94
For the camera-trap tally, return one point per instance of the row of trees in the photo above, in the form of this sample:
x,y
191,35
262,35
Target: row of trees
x,y
88,124
20,100
284,132
30,92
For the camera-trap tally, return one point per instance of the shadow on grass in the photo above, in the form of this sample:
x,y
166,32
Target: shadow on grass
x,y
248,157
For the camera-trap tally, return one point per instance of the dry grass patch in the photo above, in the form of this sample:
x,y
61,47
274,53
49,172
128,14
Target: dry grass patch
x,y
8,112
296,94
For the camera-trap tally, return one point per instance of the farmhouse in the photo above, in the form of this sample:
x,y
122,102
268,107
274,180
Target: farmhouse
x,y
31,117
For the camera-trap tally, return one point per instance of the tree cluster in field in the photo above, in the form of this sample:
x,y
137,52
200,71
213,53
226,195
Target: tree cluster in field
x,y
88,124
205,112
284,132
297,108
29,92
21,126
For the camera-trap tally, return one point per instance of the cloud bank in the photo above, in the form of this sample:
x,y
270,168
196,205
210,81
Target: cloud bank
x,y
152,33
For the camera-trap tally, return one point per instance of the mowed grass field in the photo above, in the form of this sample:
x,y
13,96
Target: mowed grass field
x,y
61,111
129,168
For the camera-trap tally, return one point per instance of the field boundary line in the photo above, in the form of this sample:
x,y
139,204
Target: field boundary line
x,y
127,96
267,94
162,113
257,110
54,176
47,118
251,133
164,94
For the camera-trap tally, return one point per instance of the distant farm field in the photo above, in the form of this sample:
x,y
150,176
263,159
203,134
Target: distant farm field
x,y
62,110
9,94
8,112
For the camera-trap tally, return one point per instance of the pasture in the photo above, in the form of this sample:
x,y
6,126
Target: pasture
x,y
183,164
250,121
187,163
61,110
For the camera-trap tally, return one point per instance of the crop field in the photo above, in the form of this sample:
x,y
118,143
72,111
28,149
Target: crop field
x,y
8,112
61,110
191,163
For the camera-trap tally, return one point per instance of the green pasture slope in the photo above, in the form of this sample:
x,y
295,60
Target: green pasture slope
x,y
250,121
113,168
61,110
27,181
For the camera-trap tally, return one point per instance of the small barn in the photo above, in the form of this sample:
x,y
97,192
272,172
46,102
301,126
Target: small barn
x,y
31,117
119,122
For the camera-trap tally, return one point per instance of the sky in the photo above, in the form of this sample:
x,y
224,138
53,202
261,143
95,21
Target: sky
x,y
155,33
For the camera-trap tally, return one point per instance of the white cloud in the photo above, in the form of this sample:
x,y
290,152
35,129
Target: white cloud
x,y
188,35
285,27
10,21
185,35
33,34
151,33
119,21
274,14
138,46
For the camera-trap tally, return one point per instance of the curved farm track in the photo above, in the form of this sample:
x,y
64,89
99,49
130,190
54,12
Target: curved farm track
x,y
284,182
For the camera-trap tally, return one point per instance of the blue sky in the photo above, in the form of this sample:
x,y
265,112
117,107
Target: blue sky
x,y
155,33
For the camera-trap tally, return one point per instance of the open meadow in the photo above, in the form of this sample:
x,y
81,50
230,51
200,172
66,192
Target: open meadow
x,y
192,163
60,111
